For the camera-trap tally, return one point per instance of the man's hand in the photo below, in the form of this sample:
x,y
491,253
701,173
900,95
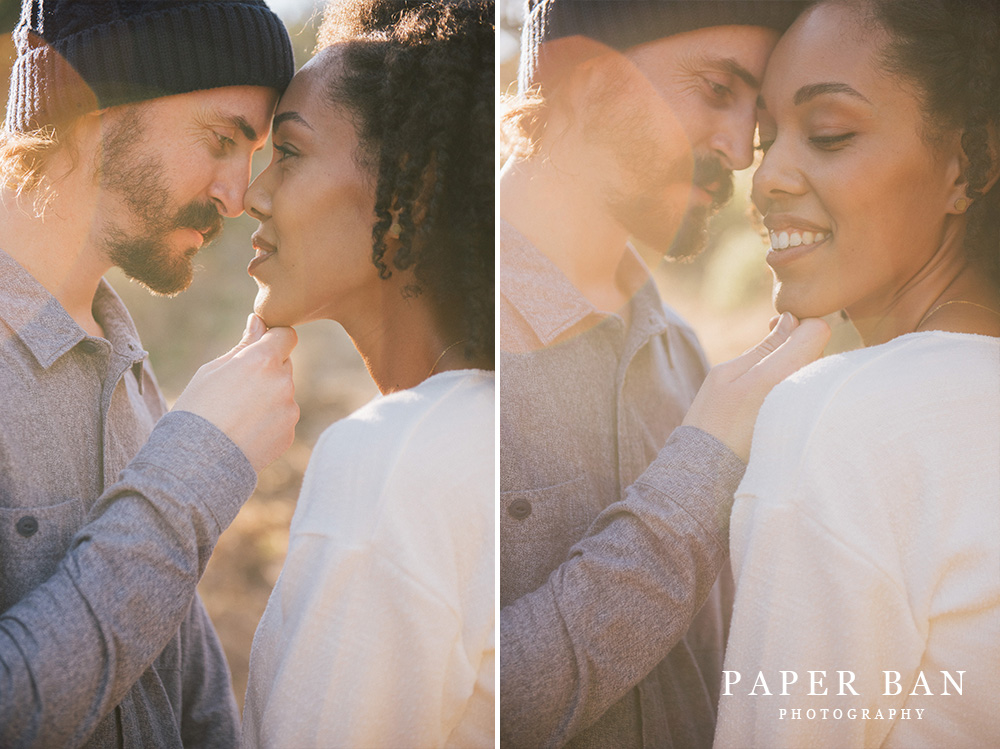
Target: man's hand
x,y
248,393
727,404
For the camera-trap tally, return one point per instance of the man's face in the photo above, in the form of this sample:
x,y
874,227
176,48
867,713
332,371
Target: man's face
x,y
678,115
171,168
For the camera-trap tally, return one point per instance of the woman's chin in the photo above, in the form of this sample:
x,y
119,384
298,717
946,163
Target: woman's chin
x,y
802,307
274,315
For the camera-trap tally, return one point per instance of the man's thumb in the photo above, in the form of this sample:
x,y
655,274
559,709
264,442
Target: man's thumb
x,y
253,332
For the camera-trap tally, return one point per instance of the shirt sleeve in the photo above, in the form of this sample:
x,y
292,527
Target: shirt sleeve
x,y
209,716
73,646
821,609
623,599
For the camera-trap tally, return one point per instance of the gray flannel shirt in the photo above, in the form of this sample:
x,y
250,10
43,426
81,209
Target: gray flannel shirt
x,y
611,534
109,510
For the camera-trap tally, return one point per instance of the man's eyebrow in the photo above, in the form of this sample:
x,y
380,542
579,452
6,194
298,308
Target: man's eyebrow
x,y
241,123
288,116
810,92
729,65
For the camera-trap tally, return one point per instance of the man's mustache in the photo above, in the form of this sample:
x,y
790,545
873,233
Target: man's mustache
x,y
202,217
714,178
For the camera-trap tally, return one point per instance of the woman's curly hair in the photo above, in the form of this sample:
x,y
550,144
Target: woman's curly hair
x,y
418,77
950,51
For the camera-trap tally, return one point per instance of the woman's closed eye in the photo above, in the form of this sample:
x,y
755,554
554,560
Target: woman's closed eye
x,y
831,142
284,151
822,142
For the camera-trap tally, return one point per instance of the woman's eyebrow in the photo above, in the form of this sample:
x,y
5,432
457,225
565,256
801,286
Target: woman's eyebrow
x,y
811,91
288,116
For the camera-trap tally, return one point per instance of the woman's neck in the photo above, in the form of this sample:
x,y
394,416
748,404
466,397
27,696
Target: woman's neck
x,y
947,294
402,343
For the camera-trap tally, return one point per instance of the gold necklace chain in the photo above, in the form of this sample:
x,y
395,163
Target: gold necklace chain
x,y
955,301
438,360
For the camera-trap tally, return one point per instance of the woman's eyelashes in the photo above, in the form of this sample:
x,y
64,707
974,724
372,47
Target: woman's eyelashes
x,y
283,151
821,142
831,142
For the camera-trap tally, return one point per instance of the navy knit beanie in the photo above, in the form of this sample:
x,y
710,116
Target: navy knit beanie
x,y
75,56
621,24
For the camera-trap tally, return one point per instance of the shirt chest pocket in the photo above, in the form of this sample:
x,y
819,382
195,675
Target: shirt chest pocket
x,y
32,542
537,529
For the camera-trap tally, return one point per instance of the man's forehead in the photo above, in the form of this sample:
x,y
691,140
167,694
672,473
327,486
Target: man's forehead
x,y
739,50
247,108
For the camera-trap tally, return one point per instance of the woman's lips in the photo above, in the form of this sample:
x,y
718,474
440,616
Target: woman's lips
x,y
792,237
264,251
785,238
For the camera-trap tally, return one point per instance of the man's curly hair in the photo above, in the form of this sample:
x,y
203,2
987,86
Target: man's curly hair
x,y
418,78
950,51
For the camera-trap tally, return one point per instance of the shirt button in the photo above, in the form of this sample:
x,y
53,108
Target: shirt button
x,y
27,526
89,347
519,509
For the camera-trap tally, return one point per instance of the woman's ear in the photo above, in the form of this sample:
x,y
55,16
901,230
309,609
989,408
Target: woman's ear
x,y
993,142
957,168
960,200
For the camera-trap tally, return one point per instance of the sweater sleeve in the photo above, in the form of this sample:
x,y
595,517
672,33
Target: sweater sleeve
x,y
821,608
73,646
623,599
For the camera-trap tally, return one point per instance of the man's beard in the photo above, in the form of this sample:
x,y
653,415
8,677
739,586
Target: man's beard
x,y
692,236
144,255
654,223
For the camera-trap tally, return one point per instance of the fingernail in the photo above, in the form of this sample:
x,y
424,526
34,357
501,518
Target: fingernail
x,y
254,324
785,322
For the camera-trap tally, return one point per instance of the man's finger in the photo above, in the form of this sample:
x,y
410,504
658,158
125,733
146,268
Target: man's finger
x,y
254,330
752,356
279,342
803,346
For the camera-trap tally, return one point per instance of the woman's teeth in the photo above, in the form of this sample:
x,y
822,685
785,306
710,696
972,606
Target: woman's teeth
x,y
781,240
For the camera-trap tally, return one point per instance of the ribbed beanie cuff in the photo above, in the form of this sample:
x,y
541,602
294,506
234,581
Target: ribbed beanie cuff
x,y
620,24
75,56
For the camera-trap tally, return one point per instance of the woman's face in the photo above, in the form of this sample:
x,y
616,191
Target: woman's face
x,y
316,208
854,196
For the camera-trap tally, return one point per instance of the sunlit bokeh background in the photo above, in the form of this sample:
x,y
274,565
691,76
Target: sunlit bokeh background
x,y
207,320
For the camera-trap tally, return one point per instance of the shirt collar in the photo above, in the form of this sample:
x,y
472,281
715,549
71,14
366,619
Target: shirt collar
x,y
536,288
546,299
46,328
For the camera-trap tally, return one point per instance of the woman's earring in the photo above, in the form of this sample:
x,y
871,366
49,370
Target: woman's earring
x,y
395,229
961,204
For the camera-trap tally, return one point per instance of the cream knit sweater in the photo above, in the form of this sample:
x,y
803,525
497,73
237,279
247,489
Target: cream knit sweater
x,y
380,630
866,539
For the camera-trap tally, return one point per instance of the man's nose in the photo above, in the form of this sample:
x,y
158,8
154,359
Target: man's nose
x,y
733,140
229,186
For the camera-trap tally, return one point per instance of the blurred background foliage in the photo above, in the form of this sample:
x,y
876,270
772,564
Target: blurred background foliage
x,y
204,322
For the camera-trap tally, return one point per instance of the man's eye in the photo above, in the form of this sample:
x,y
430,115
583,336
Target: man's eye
x,y
224,140
719,91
